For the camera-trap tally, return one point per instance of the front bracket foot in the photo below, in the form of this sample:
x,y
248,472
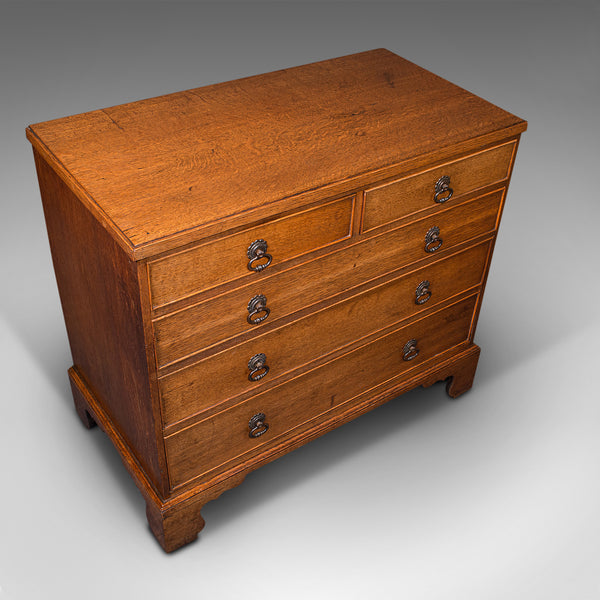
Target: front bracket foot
x,y
177,523
175,527
458,374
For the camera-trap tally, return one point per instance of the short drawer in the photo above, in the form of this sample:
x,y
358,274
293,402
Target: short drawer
x,y
234,257
186,332
226,374
404,197
211,443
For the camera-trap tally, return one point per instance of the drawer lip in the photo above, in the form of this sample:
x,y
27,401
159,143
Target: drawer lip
x,y
360,405
259,230
225,403
236,338
386,382
382,285
458,239
432,208
198,298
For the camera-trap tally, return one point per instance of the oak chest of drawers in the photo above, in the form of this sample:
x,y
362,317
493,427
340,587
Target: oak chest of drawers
x,y
245,266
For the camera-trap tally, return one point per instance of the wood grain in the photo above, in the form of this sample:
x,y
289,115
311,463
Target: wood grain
x,y
398,248
159,172
177,521
462,374
224,376
225,259
100,299
209,444
151,206
398,199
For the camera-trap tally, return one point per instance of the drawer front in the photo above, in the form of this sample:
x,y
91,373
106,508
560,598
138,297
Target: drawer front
x,y
189,331
227,259
207,445
225,375
412,194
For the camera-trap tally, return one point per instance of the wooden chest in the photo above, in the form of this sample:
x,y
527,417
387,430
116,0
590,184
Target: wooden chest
x,y
245,266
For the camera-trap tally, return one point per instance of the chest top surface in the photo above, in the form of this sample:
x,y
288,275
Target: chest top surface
x,y
181,162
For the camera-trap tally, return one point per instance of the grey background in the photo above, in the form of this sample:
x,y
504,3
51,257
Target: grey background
x,y
492,496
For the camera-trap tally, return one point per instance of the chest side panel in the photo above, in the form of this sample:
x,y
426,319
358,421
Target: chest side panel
x,y
100,298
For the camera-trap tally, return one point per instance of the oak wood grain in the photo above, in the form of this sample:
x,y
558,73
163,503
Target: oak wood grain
x,y
177,521
100,300
158,168
462,374
151,206
329,257
198,449
374,257
203,267
397,199
223,376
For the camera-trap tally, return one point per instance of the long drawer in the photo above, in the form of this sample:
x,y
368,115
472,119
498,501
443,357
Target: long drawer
x,y
436,186
189,331
225,375
241,255
214,442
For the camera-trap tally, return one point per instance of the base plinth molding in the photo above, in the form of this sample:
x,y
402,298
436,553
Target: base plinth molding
x,y
176,521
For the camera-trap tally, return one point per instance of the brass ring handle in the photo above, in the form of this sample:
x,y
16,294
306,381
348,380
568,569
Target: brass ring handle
x,y
257,251
433,241
410,350
257,425
442,186
422,293
256,306
258,367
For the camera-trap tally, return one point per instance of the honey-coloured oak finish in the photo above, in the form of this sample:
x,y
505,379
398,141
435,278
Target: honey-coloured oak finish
x,y
245,266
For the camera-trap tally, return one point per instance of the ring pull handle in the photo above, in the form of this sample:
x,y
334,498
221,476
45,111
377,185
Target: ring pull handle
x,y
433,241
422,293
256,306
257,251
258,367
443,191
410,350
257,425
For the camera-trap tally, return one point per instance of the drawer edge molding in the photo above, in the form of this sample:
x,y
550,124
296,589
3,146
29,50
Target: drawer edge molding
x,y
184,399
200,448
379,209
461,224
178,520
456,366
172,427
201,267
235,338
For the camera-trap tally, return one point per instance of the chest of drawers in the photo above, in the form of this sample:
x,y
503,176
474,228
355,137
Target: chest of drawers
x,y
246,266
